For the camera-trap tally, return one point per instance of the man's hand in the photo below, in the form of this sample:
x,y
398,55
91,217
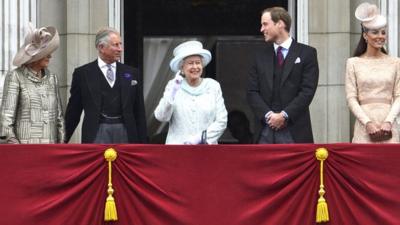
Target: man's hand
x,y
276,121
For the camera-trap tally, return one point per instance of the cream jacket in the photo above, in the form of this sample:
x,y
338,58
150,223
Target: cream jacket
x,y
31,109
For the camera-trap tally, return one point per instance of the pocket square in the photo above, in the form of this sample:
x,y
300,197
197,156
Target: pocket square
x,y
133,82
298,60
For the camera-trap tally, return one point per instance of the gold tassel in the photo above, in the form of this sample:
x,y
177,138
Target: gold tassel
x,y
322,207
110,212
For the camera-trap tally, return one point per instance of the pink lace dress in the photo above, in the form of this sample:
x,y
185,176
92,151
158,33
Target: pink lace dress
x,y
373,94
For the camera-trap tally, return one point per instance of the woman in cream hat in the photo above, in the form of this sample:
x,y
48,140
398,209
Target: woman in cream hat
x,y
31,108
193,106
373,81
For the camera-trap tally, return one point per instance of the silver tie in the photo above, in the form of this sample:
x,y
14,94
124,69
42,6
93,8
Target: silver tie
x,y
110,73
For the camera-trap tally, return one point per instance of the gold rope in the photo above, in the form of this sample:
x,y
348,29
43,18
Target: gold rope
x,y
110,212
322,207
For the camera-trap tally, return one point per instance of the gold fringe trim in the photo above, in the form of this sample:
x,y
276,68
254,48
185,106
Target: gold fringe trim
x,y
322,207
110,211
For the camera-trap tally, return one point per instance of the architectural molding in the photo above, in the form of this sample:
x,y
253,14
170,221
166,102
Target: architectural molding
x,y
114,14
116,18
16,14
301,19
14,19
390,10
292,13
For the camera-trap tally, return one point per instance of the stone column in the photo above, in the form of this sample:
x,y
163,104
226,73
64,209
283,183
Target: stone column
x,y
77,22
329,32
53,13
16,15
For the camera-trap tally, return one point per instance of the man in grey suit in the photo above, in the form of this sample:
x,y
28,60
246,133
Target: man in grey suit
x,y
282,83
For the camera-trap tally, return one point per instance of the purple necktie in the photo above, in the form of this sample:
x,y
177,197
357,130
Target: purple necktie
x,y
279,56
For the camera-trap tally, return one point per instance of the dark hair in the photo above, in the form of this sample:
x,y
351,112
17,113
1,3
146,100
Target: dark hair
x,y
279,13
362,45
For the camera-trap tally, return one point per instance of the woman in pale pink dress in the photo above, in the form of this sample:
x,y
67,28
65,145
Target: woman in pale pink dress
x,y
372,81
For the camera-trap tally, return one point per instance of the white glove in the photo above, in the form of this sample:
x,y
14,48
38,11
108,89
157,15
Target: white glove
x,y
13,140
193,140
177,84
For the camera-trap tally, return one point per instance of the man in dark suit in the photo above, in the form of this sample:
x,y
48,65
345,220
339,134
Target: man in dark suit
x,y
282,83
110,95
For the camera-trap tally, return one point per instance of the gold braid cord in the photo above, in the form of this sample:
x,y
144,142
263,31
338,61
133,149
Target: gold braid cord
x,y
110,212
322,207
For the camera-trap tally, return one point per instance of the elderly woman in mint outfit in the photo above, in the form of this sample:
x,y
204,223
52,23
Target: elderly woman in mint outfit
x,y
31,111
193,106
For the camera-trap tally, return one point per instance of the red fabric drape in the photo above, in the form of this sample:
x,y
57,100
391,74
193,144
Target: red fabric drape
x,y
199,185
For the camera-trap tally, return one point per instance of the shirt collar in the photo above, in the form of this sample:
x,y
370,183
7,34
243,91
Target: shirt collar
x,y
286,44
103,64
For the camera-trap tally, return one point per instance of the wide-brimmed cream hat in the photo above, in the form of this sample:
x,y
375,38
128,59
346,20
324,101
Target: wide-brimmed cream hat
x,y
38,44
186,49
368,15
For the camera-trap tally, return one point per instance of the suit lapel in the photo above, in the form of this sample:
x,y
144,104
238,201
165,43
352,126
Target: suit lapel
x,y
93,82
125,84
268,64
293,53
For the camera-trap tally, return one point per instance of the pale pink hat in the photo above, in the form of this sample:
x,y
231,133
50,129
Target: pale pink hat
x,y
368,15
38,44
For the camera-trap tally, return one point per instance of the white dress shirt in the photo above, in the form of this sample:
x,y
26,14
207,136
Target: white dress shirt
x,y
285,47
103,67
285,50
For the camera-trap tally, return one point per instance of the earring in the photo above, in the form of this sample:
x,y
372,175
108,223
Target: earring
x,y
366,40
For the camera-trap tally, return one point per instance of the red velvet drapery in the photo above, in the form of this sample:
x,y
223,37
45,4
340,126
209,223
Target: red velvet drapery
x,y
199,185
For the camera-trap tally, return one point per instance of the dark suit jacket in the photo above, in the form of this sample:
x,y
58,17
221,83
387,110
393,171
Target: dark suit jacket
x,y
298,84
86,95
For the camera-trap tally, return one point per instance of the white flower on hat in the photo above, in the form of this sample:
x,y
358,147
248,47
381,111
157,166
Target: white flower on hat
x,y
186,49
368,15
